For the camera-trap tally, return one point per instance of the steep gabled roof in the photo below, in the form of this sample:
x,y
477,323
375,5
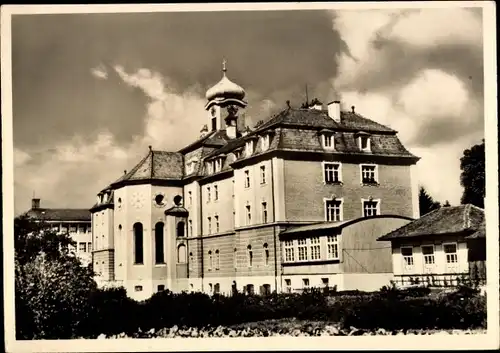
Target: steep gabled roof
x,y
445,220
60,214
320,119
157,165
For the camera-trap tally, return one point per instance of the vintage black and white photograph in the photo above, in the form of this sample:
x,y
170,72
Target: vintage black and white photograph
x,y
254,173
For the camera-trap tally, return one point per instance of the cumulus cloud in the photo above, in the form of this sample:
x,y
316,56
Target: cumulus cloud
x,y
420,72
99,72
70,174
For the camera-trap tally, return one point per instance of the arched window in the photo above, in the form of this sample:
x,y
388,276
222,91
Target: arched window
x,y
181,254
180,229
159,244
210,260
249,255
217,259
217,288
138,244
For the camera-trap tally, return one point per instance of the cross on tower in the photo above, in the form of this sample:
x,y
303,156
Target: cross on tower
x,y
224,62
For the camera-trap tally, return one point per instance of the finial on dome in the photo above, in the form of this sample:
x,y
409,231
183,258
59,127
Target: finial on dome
x,y
150,147
224,69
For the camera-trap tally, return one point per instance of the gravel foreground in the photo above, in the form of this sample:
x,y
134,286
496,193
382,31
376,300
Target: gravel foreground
x,y
277,328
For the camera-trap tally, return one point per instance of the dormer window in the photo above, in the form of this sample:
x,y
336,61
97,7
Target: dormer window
x,y
364,142
265,142
249,148
327,139
218,165
210,167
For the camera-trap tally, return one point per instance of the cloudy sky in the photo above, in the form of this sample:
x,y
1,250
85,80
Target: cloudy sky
x,y
92,91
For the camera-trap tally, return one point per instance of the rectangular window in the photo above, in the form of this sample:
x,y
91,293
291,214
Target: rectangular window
x,y
216,192
315,248
288,285
266,255
333,210
325,282
265,142
72,229
190,228
370,208
289,251
82,247
327,141
209,219
368,174
428,253
264,212
217,225
450,251
161,287
302,248
218,165
333,247
247,178
332,173
190,198
305,283
262,174
89,247
208,194
407,253
217,259
364,143
81,228
138,288
249,215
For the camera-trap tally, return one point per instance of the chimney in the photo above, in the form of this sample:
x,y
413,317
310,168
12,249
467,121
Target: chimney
x,y
334,110
35,204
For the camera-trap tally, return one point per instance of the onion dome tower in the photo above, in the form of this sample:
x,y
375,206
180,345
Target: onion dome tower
x,y
224,95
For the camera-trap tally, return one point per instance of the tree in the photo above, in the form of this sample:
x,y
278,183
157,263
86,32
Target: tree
x,y
426,202
52,288
472,177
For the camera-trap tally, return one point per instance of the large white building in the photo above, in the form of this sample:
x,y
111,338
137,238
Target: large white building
x,y
285,206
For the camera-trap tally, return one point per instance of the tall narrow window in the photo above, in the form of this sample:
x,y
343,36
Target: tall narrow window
x,y
191,260
333,247
209,219
181,229
315,248
214,124
332,173
289,251
327,141
262,174
217,259
249,215
217,225
266,255
89,247
190,198
190,228
250,256
264,212
288,285
302,249
216,192
235,258
333,210
138,244
247,178
181,254
82,247
210,260
159,244
208,194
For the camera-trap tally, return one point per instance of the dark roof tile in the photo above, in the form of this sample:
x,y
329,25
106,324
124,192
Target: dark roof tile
x,y
60,214
445,220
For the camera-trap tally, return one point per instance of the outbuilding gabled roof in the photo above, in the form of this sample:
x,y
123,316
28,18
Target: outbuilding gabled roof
x,y
60,214
445,220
